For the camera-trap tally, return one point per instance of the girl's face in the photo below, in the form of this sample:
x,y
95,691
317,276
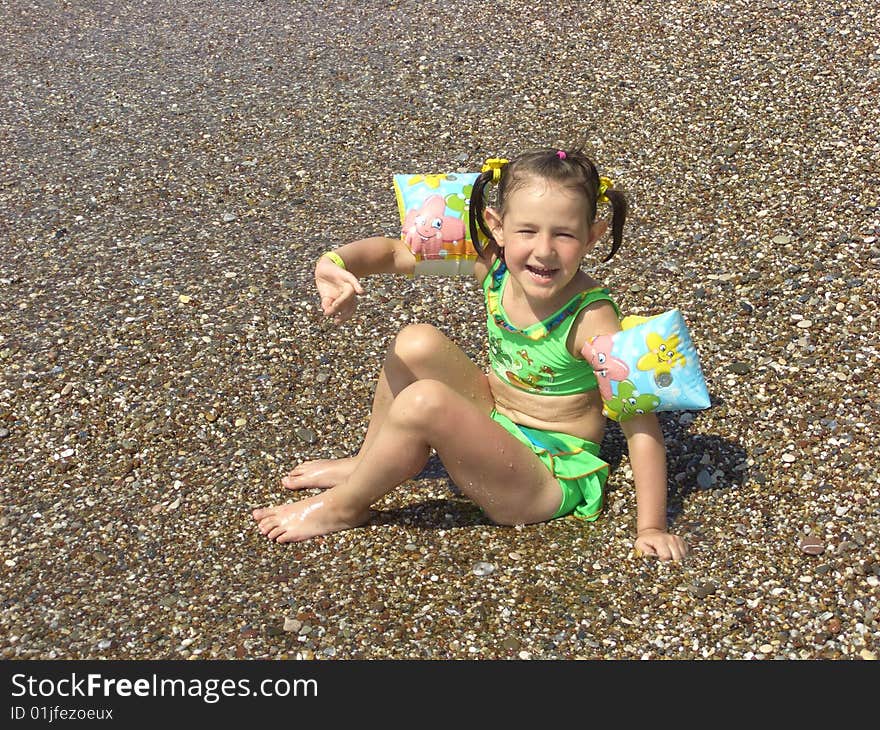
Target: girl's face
x,y
545,234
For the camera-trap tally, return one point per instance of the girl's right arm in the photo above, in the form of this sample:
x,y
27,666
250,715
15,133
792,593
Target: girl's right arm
x,y
339,286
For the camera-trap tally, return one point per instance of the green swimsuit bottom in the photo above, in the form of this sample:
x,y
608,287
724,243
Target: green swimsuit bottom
x,y
574,462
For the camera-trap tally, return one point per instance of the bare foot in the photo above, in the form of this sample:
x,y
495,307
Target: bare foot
x,y
320,473
306,518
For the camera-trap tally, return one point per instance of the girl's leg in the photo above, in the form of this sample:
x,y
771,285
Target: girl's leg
x,y
419,352
489,465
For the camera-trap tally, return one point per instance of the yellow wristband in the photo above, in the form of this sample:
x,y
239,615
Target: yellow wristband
x,y
335,258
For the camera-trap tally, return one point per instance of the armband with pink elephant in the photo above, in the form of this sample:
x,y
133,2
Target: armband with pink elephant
x,y
651,365
434,221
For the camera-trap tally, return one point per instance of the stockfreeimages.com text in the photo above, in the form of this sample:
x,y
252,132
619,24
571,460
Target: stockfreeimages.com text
x,y
209,690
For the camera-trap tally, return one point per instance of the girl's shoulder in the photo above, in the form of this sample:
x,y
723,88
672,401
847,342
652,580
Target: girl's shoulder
x,y
483,265
597,295
599,317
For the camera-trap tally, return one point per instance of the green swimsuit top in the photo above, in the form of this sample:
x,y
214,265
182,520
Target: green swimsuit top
x,y
536,358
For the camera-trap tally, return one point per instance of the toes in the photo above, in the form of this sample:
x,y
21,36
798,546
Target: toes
x,y
266,521
276,532
266,525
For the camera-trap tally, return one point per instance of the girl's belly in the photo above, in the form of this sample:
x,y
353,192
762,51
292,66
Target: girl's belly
x,y
579,414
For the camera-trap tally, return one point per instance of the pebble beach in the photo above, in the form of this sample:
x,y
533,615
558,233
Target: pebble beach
x,y
170,172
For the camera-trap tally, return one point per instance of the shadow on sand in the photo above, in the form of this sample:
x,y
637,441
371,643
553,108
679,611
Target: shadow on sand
x,y
695,462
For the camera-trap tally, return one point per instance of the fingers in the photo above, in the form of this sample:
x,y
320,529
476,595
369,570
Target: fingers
x,y
340,315
681,548
341,303
339,296
665,547
670,551
336,277
333,307
673,549
353,281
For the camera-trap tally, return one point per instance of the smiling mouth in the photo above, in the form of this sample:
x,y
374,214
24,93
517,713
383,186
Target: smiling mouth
x,y
541,273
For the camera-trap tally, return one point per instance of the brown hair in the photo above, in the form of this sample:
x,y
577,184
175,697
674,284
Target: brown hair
x,y
570,168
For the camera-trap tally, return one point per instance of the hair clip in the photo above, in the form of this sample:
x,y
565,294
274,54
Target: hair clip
x,y
561,154
494,164
605,184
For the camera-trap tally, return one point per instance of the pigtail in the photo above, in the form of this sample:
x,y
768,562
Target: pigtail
x,y
476,222
592,181
619,208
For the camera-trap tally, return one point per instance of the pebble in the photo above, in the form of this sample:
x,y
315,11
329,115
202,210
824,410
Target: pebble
x,y
482,568
306,435
703,590
811,545
704,479
161,242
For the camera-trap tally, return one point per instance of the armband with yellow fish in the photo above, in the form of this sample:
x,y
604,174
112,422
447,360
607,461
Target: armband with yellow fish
x,y
650,365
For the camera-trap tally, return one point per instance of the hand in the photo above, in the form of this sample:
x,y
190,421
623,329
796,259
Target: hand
x,y
660,544
338,289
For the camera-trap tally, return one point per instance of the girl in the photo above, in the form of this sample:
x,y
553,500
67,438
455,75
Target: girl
x,y
523,440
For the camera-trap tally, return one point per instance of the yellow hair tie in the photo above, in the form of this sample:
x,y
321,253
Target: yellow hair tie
x,y
494,164
605,184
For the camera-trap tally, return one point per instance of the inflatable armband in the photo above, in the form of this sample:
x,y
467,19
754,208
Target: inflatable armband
x,y
651,365
433,216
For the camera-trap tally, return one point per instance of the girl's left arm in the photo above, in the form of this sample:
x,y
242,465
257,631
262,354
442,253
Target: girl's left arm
x,y
647,451
647,456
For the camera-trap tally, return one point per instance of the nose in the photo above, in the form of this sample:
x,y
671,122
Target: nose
x,y
543,244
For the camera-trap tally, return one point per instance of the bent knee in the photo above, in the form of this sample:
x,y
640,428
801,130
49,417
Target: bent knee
x,y
418,343
425,402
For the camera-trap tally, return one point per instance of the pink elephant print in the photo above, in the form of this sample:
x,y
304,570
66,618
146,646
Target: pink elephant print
x,y
597,352
428,228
